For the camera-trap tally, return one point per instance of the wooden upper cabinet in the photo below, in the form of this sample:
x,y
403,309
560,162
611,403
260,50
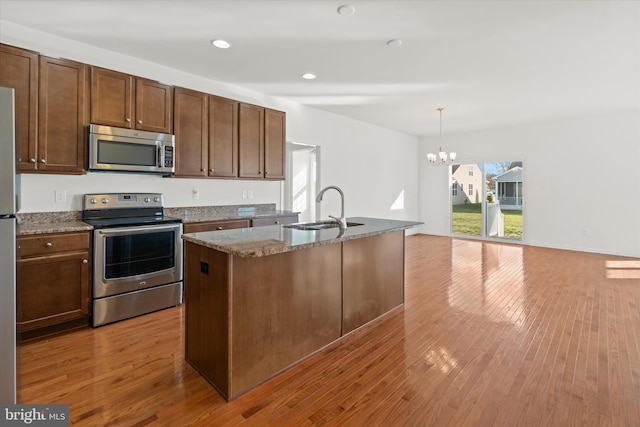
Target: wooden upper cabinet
x,y
154,103
274,144
19,70
62,116
111,98
251,141
223,137
122,100
206,129
190,123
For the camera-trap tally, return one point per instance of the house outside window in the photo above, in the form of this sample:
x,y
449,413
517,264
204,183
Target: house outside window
x,y
471,173
454,189
471,189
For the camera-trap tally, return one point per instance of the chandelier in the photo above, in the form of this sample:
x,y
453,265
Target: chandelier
x,y
442,158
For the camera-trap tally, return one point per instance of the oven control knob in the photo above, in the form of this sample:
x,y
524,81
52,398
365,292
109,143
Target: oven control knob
x,y
156,199
93,201
105,200
147,200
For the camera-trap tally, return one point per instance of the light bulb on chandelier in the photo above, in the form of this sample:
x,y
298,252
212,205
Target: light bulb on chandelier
x,y
442,158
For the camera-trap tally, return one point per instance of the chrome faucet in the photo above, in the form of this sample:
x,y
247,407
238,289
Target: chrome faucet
x,y
342,220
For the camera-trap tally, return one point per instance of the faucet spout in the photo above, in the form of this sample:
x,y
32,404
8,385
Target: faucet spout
x,y
341,220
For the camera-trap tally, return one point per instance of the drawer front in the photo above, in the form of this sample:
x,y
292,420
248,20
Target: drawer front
x,y
50,243
259,222
215,225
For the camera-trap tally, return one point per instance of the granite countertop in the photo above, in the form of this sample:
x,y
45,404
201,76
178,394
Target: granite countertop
x,y
275,239
225,213
71,221
51,222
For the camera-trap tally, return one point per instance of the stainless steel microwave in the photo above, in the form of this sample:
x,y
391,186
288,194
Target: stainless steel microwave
x,y
127,150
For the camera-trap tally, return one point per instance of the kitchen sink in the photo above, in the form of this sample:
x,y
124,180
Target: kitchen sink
x,y
320,225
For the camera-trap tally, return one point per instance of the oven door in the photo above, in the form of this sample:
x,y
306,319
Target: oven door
x,y
132,258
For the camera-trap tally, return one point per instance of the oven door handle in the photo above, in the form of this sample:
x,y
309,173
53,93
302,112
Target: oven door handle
x,y
139,230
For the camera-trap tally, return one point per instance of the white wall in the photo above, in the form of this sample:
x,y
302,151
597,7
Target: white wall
x,y
371,164
581,180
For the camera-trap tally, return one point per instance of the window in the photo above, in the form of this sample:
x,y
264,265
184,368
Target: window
x,y
490,203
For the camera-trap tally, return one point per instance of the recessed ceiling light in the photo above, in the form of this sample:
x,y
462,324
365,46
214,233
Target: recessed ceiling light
x,y
346,10
222,44
308,76
394,42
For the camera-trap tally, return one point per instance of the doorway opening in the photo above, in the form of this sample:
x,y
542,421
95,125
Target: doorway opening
x,y
302,180
487,199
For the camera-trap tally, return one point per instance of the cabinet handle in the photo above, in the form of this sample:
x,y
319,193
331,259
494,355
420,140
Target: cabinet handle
x,y
220,228
84,261
139,122
43,161
48,244
277,222
32,160
128,120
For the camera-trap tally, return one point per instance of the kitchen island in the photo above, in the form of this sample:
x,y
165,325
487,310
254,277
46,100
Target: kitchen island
x,y
261,299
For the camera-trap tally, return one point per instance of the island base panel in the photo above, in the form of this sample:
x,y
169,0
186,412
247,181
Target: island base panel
x,y
284,307
207,284
373,278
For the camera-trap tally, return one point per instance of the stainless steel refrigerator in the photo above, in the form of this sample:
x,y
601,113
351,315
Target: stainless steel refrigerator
x,y
8,208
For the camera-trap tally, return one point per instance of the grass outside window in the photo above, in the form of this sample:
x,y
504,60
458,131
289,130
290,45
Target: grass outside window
x,y
467,219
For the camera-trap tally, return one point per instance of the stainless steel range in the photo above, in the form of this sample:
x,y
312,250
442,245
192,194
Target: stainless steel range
x,y
137,255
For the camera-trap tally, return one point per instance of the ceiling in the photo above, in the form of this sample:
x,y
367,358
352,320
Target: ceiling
x,y
487,63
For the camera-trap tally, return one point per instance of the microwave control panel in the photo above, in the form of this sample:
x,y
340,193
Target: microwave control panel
x,y
168,157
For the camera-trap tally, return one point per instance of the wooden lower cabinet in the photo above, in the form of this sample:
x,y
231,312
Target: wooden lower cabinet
x,y
198,227
53,289
276,220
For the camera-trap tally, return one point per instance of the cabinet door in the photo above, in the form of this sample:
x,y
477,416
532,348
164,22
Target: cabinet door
x,y
190,118
52,289
154,103
251,141
274,144
223,137
19,70
62,116
111,98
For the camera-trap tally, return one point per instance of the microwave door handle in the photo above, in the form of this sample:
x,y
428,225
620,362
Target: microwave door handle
x,y
159,159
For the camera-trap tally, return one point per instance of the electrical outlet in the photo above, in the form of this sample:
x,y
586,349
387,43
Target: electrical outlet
x,y
250,194
61,196
195,193
244,194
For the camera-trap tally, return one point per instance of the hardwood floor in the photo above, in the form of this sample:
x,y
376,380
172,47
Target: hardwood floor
x,y
490,334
